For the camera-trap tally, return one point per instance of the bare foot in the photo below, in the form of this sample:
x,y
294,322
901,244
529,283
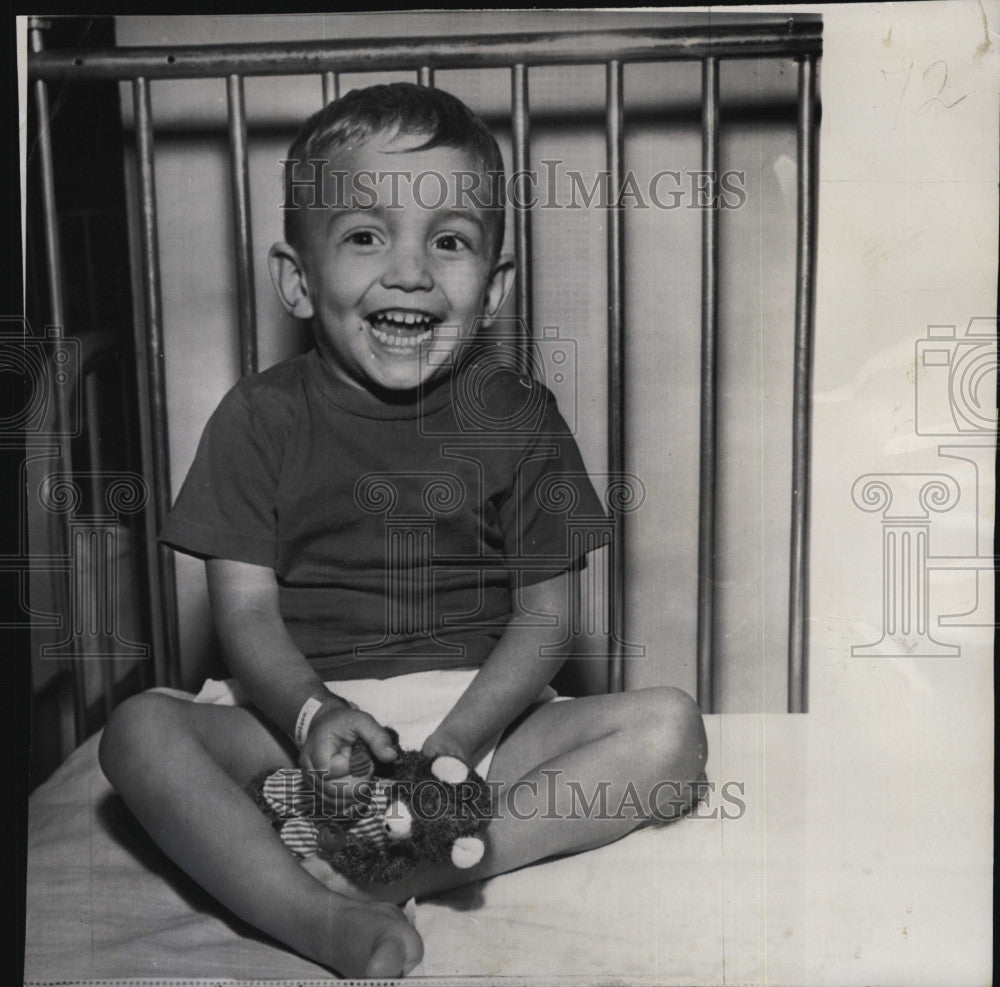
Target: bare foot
x,y
362,939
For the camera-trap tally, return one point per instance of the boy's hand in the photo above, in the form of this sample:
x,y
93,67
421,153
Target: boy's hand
x,y
327,749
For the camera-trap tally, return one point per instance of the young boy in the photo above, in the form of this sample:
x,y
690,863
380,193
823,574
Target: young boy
x,y
305,484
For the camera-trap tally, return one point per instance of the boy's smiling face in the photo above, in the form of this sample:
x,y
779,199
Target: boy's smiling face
x,y
395,286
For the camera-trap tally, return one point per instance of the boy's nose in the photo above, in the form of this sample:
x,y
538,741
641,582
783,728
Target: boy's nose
x,y
406,269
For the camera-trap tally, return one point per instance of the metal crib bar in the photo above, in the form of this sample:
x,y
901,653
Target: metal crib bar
x,y
53,255
152,390
425,76
615,108
798,627
240,181
94,466
331,87
522,216
779,35
57,314
708,478
146,669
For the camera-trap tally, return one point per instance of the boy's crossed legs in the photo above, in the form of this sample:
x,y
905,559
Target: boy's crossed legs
x,y
181,767
571,776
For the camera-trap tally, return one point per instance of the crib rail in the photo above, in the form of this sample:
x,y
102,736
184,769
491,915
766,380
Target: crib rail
x,y
782,36
798,36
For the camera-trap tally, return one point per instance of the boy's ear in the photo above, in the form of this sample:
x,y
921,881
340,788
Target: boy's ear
x,y
289,279
498,287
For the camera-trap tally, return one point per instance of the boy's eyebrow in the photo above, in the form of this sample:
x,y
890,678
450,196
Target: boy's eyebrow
x,y
457,213
339,210
339,214
379,211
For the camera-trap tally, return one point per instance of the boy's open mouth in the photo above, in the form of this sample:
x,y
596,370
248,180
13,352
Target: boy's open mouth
x,y
402,328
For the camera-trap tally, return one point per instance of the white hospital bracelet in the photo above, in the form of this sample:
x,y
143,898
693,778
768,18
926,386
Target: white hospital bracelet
x,y
309,709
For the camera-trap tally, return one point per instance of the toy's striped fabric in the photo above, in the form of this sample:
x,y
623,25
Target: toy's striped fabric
x,y
361,764
300,836
290,796
371,826
288,793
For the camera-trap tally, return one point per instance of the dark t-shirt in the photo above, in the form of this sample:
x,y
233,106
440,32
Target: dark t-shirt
x,y
396,529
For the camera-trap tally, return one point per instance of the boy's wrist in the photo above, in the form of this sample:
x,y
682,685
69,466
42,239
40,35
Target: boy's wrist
x,y
311,708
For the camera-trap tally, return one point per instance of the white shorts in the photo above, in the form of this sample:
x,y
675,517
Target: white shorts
x,y
413,705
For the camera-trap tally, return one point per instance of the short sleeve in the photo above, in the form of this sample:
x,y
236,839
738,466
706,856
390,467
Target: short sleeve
x,y
226,507
553,516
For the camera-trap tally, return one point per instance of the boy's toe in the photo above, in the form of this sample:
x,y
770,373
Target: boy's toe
x,y
388,959
395,955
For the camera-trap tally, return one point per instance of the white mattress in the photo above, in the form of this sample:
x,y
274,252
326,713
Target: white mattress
x,y
816,882
678,904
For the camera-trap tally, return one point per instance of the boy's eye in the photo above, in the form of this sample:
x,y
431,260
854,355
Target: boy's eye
x,y
451,242
361,238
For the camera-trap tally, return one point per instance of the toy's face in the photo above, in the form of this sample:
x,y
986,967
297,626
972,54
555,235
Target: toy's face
x,y
398,821
424,812
403,823
442,797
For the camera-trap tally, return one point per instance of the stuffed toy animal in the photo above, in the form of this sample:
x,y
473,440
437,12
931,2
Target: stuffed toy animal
x,y
413,809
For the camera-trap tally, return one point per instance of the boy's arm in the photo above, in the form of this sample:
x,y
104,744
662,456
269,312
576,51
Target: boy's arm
x,y
513,674
275,674
259,650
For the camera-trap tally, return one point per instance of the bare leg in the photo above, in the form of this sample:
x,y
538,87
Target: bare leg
x,y
181,768
572,776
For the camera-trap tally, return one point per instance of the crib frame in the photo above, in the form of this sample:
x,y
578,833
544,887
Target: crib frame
x,y
795,36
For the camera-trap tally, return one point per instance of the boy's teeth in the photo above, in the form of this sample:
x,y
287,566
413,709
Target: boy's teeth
x,y
401,342
402,318
396,327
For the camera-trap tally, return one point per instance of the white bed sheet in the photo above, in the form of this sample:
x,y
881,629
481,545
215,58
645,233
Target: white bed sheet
x,y
706,900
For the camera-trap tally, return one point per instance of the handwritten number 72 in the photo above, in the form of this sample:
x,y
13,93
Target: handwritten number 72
x,y
935,74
